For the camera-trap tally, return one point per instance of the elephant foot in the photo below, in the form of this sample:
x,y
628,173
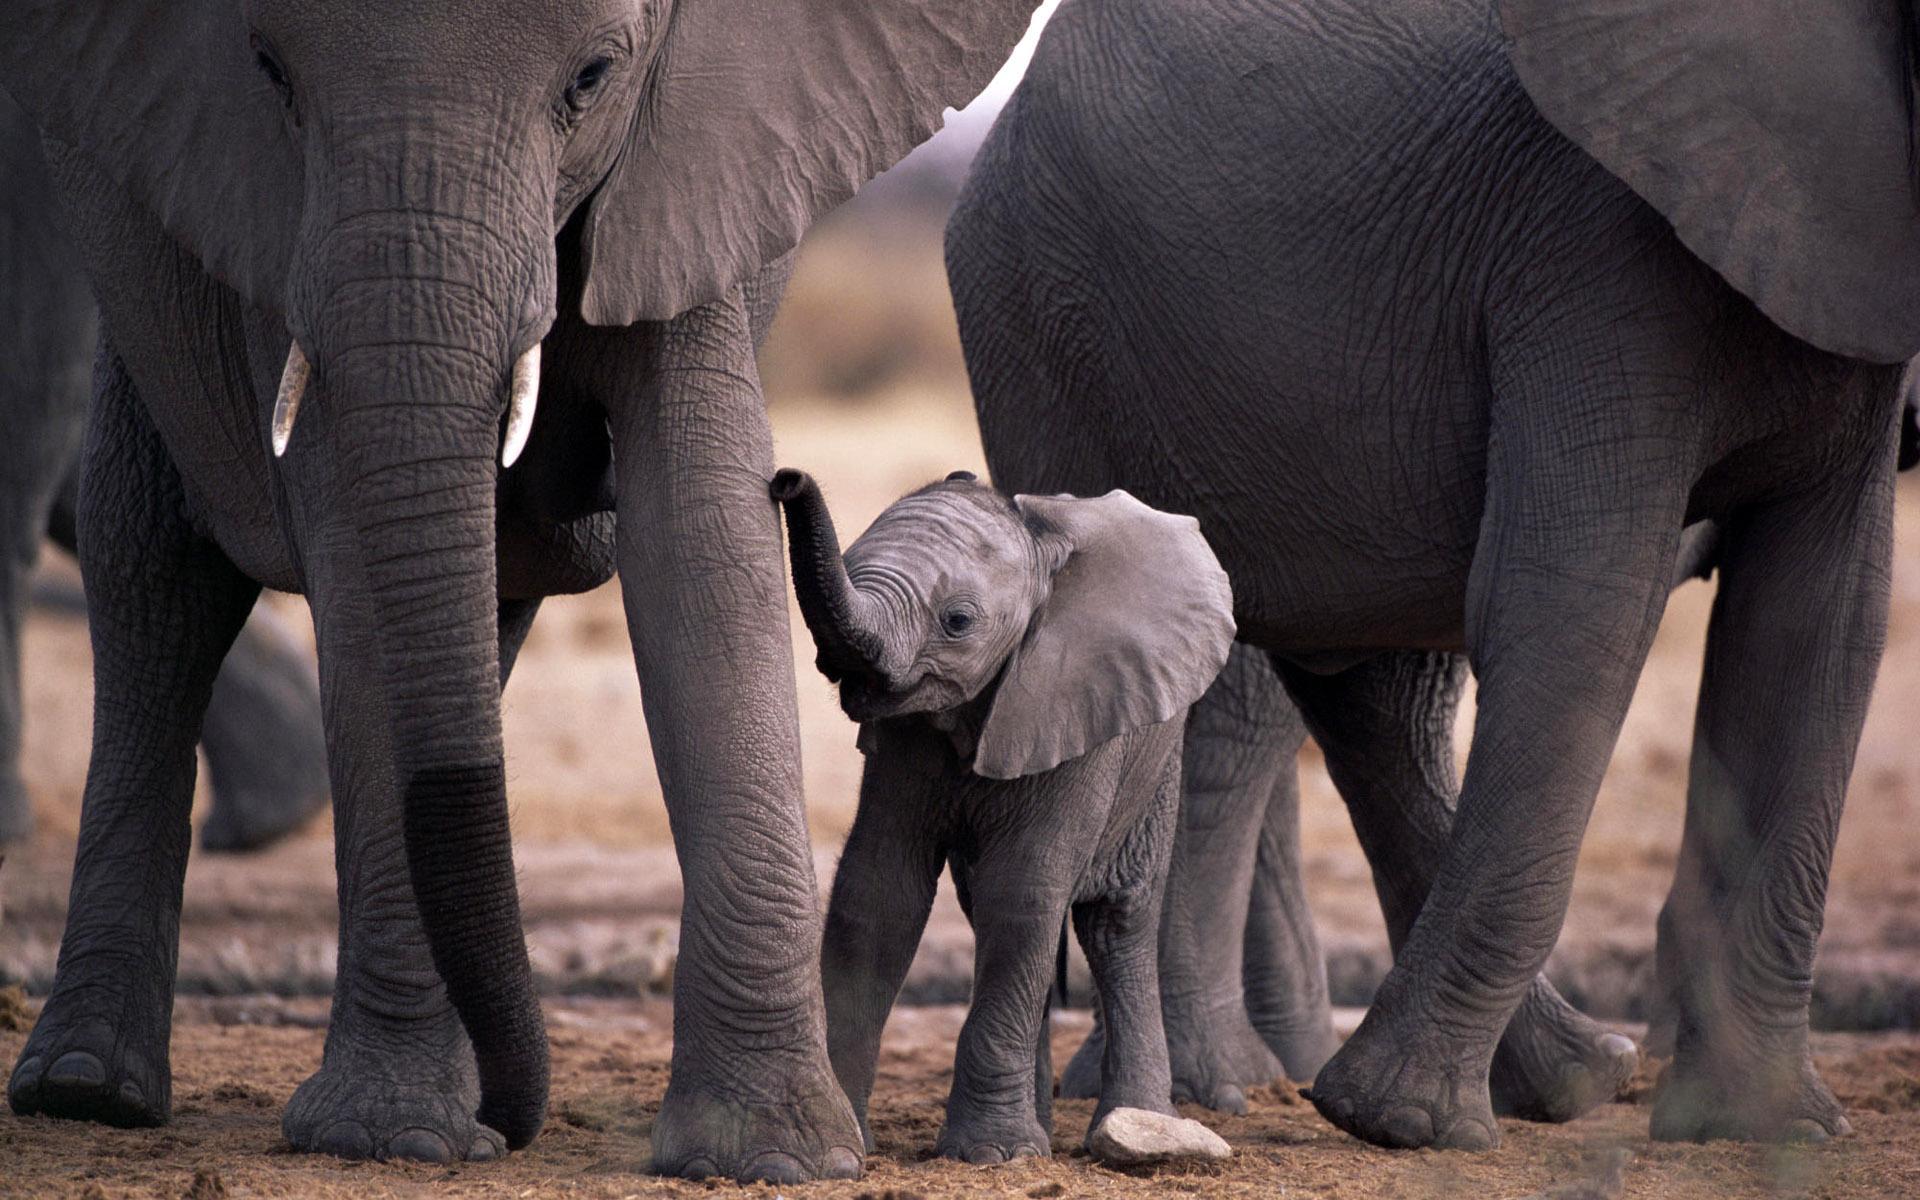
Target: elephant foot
x,y
1402,1086
16,812
1216,1055
253,816
989,1139
740,1133
78,1066
1554,1063
1774,1099
406,1106
1302,1044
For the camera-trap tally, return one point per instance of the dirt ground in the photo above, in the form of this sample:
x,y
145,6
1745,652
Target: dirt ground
x,y
601,894
610,1070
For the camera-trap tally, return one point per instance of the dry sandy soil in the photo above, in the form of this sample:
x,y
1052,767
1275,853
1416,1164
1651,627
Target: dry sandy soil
x,y
610,1069
601,894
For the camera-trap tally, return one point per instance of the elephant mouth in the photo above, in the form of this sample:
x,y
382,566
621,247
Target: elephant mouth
x,y
865,696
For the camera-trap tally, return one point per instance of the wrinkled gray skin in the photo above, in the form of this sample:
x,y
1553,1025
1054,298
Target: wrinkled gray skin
x,y
1458,416
262,734
408,199
1231,1026
918,628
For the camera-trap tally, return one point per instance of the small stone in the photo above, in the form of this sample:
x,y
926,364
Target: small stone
x,y
1134,1137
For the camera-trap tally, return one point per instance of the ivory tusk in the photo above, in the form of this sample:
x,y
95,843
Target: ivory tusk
x,y
522,397
293,389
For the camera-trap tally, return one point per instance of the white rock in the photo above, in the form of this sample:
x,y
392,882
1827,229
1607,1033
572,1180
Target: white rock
x,y
1134,1137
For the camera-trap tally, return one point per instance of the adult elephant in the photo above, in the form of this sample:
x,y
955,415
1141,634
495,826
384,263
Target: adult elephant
x,y
334,243
1445,333
262,736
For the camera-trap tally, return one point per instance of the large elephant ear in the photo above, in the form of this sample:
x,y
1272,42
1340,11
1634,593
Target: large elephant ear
x,y
164,97
762,115
1139,622
1773,134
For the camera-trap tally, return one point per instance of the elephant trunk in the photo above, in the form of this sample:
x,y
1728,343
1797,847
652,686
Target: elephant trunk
x,y
829,604
413,405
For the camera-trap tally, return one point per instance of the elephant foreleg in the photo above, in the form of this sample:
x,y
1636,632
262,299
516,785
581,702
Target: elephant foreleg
x,y
166,605
397,1078
752,1094
882,894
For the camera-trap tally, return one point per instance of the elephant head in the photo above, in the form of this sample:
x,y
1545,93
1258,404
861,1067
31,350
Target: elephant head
x,y
391,179
1071,621
1776,135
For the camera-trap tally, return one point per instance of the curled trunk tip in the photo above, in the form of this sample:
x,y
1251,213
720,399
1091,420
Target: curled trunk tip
x,y
789,484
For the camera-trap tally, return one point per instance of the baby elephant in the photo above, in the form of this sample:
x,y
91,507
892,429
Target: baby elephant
x,y
1021,671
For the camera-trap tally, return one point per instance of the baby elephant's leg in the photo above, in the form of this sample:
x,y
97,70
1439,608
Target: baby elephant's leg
x,y
882,893
1135,1121
992,1113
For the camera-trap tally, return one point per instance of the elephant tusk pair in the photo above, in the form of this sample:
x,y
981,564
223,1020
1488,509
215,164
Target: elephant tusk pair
x,y
523,396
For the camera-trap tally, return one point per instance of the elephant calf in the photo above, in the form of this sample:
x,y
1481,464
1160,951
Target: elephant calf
x,y
1021,671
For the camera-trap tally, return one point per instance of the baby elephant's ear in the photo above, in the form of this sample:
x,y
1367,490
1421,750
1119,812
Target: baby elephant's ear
x,y
1139,623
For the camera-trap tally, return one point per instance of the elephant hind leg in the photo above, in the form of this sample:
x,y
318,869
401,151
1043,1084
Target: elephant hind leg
x,y
1792,649
166,605
1386,728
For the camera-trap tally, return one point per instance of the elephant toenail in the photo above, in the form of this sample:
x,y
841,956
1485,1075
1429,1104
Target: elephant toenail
x,y
419,1145
986,1156
1620,1051
25,1084
1405,1127
698,1168
1229,1099
345,1139
77,1068
132,1096
842,1163
1469,1134
1804,1129
774,1166
487,1146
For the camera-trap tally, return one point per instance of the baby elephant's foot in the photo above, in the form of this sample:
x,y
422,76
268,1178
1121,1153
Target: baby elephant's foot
x,y
1134,1137
1780,1101
1555,1063
417,1110
988,1140
1406,1089
81,1067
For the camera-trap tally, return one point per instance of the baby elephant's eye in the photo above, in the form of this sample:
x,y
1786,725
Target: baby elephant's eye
x,y
587,83
956,622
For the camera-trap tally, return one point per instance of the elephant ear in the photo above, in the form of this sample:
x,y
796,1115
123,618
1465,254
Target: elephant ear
x,y
1773,134
164,97
762,115
1139,622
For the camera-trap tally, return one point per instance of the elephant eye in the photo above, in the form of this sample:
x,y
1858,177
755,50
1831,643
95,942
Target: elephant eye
x,y
956,621
269,65
587,83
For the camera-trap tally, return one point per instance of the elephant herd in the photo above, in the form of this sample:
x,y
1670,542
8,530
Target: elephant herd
x,y
1462,329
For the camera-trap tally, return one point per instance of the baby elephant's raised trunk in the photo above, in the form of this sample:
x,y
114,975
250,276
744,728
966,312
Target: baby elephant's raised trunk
x,y
833,610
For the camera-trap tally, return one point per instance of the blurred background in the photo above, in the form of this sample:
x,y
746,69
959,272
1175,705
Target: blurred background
x,y
864,378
